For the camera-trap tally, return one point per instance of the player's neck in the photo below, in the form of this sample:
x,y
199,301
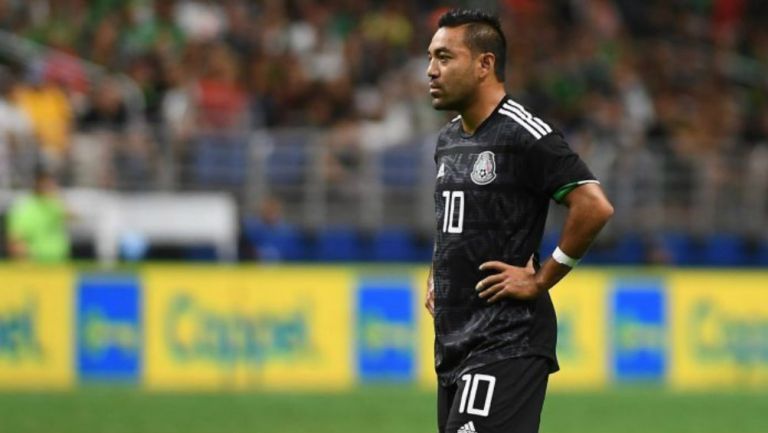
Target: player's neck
x,y
485,104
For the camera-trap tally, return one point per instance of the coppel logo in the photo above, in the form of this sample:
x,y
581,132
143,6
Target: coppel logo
x,y
639,331
721,336
196,333
385,330
19,339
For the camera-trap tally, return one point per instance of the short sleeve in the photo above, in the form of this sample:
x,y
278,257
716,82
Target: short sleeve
x,y
550,167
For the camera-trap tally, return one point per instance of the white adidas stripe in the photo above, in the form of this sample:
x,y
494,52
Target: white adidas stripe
x,y
527,115
521,122
467,428
528,118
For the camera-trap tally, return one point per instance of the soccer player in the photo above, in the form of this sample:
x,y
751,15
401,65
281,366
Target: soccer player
x,y
498,166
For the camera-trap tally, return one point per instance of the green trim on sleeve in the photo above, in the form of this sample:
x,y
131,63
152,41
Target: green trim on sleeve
x,y
563,191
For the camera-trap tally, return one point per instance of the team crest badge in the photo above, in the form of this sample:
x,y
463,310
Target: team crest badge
x,y
484,170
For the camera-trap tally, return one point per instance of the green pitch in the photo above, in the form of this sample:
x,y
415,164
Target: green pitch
x,y
366,410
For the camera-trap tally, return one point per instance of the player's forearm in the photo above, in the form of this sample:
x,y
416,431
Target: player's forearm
x,y
588,212
550,274
585,220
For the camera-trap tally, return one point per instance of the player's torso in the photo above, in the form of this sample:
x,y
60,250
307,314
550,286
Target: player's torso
x,y
484,212
483,209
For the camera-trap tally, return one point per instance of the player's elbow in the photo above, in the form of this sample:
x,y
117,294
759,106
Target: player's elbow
x,y
603,210
600,210
595,207
590,203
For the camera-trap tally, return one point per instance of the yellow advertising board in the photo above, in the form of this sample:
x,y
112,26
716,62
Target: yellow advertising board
x,y
36,327
241,328
719,329
581,304
425,352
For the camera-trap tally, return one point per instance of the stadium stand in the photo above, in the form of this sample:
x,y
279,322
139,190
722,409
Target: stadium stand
x,y
322,106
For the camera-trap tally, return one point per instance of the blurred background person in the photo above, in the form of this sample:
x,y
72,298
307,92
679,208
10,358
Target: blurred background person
x,y
17,148
37,223
52,117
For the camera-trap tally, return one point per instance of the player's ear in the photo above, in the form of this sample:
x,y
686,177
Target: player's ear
x,y
487,63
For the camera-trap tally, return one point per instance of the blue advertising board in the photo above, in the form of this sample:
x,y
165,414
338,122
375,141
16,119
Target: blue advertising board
x,y
109,332
639,330
386,330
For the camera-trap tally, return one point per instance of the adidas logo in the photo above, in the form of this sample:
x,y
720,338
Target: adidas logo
x,y
467,428
441,171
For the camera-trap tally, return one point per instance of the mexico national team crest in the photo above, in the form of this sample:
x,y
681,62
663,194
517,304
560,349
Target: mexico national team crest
x,y
484,170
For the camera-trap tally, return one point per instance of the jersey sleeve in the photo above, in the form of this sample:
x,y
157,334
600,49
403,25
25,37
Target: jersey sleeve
x,y
550,167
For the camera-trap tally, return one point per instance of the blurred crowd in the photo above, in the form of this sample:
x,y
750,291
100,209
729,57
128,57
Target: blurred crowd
x,y
684,79
208,73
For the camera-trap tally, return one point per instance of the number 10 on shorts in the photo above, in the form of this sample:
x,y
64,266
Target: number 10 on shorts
x,y
469,395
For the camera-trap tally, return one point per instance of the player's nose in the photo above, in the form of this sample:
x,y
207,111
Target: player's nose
x,y
432,71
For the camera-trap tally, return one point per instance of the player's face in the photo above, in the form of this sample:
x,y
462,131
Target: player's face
x,y
451,71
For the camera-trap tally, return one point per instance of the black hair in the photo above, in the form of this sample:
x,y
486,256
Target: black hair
x,y
483,35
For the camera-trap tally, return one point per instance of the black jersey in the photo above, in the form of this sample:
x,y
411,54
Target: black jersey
x,y
492,196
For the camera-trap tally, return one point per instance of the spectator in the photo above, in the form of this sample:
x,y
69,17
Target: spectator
x,y
222,119
109,150
37,224
52,117
16,152
156,32
269,235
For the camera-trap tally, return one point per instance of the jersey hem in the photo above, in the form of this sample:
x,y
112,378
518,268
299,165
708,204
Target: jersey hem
x,y
479,361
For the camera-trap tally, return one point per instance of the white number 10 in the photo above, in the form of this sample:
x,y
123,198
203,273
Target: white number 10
x,y
450,224
469,395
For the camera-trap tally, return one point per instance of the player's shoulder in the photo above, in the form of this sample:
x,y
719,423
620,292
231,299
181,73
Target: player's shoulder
x,y
521,124
452,127
450,131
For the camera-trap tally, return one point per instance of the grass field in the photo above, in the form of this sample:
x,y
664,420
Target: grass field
x,y
366,410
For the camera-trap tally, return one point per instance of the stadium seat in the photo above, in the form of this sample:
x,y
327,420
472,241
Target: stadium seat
x,y
628,250
220,160
724,249
200,253
286,163
337,244
423,247
548,244
392,244
680,248
760,257
283,242
400,166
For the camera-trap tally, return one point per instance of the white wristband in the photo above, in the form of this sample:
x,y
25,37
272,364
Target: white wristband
x,y
564,259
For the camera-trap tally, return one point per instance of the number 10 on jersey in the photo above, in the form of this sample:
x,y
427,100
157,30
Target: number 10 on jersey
x,y
453,212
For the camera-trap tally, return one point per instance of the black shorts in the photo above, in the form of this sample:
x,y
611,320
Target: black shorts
x,y
503,397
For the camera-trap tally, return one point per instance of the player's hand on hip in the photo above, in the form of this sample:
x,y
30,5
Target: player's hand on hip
x,y
509,282
429,302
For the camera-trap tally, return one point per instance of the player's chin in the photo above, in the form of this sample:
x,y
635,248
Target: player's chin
x,y
440,104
